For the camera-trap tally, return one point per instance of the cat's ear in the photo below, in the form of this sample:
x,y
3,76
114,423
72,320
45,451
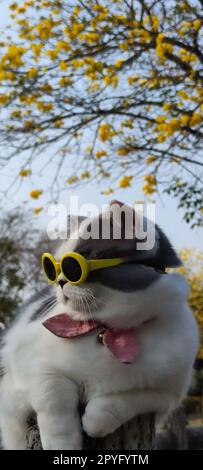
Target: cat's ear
x,y
157,249
125,220
74,222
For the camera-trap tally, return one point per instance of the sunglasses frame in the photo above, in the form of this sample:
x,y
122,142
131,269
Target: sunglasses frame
x,y
86,265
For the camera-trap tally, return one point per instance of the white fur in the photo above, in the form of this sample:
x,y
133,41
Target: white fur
x,y
50,374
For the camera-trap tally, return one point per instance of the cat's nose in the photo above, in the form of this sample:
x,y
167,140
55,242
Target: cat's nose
x,y
61,283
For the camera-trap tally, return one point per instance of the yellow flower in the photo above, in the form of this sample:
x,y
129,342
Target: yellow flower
x,y
4,98
44,107
150,159
167,129
77,63
72,179
58,123
187,56
106,132
111,80
174,124
77,10
160,119
185,119
197,24
133,79
85,174
118,64
196,119
3,75
29,124
63,65
90,38
36,193
37,210
36,48
148,189
21,10
123,151
124,46
16,113
14,55
76,28
155,22
32,72
13,6
107,191
127,123
161,138
100,8
53,54
150,179
162,48
28,100
101,153
65,81
167,106
44,28
125,181
150,186
25,172
63,46
183,94
46,87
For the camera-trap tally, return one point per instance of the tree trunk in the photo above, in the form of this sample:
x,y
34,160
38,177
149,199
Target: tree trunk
x,y
177,428
138,434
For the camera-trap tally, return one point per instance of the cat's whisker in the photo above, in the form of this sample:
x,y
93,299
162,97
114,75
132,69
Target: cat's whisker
x,y
90,315
97,301
89,293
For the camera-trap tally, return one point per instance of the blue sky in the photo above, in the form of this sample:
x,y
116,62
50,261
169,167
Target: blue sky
x,y
168,216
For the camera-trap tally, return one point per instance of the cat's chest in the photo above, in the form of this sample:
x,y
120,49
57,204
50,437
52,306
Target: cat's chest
x,y
85,360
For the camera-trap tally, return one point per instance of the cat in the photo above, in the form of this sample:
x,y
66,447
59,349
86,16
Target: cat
x,y
53,375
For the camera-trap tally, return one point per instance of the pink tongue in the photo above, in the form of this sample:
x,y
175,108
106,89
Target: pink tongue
x,y
122,344
62,325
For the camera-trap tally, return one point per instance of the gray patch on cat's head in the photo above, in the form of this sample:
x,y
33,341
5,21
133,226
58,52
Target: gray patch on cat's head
x,y
143,266
127,277
159,256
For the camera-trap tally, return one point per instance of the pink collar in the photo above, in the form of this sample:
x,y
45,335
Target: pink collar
x,y
122,344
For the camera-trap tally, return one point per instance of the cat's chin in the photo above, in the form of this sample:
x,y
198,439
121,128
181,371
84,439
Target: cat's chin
x,y
68,307
75,315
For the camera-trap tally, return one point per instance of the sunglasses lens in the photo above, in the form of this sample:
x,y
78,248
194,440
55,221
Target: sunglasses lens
x,y
49,269
71,269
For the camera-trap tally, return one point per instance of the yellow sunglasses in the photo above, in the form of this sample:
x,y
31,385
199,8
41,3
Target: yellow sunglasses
x,y
74,267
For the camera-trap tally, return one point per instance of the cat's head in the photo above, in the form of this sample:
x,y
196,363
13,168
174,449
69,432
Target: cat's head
x,y
115,233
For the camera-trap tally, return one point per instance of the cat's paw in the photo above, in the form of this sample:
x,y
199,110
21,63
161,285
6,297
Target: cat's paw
x,y
99,424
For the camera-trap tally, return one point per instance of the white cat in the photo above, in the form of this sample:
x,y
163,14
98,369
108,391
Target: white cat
x,y
52,375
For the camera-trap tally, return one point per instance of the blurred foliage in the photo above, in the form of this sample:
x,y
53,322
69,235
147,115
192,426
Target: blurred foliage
x,y
192,270
21,246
